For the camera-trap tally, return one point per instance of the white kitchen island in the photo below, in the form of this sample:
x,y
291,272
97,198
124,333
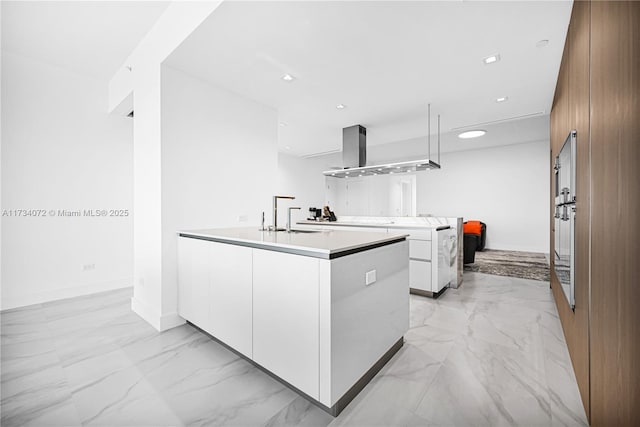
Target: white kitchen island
x,y
321,311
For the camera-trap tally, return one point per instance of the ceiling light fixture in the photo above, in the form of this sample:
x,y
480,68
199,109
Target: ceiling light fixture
x,y
340,106
542,43
287,148
288,78
502,99
491,59
283,124
472,134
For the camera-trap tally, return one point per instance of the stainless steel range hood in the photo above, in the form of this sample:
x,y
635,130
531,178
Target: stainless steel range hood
x,y
354,156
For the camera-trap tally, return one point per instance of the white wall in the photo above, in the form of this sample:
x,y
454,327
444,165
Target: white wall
x,y
505,187
61,150
303,179
144,66
219,164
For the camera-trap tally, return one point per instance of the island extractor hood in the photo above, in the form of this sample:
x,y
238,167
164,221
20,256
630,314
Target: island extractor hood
x,y
354,157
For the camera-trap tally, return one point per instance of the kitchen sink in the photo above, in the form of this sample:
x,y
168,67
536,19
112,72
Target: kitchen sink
x,y
306,231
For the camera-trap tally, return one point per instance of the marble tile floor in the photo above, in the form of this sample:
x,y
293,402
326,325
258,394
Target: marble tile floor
x,y
489,353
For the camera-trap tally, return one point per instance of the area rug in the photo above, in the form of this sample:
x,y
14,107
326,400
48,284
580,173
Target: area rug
x,y
525,265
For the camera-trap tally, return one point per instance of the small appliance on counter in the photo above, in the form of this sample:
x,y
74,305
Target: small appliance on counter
x,y
315,214
328,214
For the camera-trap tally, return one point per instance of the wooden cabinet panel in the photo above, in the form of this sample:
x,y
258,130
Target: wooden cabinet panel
x,y
615,278
572,98
598,95
560,108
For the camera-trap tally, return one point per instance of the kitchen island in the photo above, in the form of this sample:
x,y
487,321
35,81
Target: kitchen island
x,y
320,311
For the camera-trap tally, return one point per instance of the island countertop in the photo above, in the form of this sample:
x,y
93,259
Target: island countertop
x,y
325,244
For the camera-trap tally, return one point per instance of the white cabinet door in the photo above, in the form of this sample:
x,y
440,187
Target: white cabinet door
x,y
420,249
193,280
231,296
286,317
420,275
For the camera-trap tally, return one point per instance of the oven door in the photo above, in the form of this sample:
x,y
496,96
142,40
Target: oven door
x,y
564,248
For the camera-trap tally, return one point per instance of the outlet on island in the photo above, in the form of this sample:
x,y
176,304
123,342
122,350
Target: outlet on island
x,y
370,277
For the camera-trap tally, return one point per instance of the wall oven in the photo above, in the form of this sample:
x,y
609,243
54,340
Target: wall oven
x,y
564,217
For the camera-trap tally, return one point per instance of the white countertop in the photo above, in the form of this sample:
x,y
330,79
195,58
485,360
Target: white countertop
x,y
325,244
378,224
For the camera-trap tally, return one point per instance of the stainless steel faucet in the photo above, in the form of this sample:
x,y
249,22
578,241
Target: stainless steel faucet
x,y
275,210
289,218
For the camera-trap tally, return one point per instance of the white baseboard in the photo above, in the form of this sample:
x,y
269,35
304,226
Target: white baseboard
x,y
64,293
154,318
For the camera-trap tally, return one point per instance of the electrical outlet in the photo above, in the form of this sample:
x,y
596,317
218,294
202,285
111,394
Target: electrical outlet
x,y
242,218
370,277
88,267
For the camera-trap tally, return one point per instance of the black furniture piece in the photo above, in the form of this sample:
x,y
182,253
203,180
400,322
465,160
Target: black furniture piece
x,y
470,246
473,243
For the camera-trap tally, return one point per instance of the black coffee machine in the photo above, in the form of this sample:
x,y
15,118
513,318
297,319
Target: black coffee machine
x,y
315,214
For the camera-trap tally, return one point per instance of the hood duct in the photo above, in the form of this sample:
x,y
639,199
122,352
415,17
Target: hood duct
x,y
354,146
354,156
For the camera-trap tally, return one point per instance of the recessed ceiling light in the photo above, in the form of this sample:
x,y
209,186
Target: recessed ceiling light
x,y
340,106
491,59
287,148
347,173
472,134
502,99
542,43
288,78
283,124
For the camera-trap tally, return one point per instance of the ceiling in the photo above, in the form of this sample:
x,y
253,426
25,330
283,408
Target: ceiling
x,y
384,60
534,129
93,38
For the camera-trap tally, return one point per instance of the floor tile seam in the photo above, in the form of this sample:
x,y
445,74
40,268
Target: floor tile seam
x,y
58,402
160,394
430,382
505,350
141,380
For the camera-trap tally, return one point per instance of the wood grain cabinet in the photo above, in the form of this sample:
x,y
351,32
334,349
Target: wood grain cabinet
x,y
598,94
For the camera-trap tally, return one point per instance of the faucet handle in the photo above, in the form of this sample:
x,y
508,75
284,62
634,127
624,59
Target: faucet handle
x,y
289,217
